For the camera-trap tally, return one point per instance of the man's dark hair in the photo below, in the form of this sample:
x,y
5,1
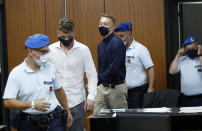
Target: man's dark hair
x,y
65,25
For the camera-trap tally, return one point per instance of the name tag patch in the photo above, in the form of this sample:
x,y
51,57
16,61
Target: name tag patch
x,y
48,82
130,57
129,61
199,69
50,88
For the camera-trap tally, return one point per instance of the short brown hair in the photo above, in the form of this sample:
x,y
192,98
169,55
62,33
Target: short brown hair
x,y
65,25
109,16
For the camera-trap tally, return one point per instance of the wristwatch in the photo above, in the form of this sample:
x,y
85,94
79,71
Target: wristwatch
x,y
32,105
199,55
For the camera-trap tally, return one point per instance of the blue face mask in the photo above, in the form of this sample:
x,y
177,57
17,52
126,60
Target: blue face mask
x,y
192,53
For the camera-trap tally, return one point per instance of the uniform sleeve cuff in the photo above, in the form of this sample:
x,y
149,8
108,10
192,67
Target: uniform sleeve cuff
x,y
91,97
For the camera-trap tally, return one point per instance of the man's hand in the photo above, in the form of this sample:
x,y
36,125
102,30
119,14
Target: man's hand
x,y
181,52
150,89
41,105
199,51
69,120
89,105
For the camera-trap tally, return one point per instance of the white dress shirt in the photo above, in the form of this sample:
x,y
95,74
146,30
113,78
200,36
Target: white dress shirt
x,y
25,84
71,67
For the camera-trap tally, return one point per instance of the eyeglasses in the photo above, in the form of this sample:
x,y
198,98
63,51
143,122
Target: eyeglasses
x,y
43,51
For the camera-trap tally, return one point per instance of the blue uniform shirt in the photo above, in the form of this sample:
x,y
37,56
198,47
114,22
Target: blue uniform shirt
x,y
111,60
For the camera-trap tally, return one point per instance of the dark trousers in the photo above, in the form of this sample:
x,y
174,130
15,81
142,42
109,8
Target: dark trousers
x,y
136,96
195,100
78,116
55,124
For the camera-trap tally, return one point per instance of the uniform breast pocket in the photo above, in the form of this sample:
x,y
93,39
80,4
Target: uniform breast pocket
x,y
132,61
48,85
198,69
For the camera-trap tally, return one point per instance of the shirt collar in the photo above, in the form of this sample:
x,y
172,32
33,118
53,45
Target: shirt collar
x,y
28,69
133,45
109,37
186,57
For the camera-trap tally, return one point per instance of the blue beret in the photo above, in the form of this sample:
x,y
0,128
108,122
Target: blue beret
x,y
124,27
37,41
189,40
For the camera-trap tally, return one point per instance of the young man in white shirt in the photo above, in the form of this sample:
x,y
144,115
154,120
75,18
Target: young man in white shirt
x,y
188,62
138,59
72,60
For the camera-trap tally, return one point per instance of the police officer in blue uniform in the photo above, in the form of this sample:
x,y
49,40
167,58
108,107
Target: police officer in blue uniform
x,y
34,89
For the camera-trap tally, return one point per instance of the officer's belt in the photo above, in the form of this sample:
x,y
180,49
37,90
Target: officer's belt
x,y
112,85
41,120
142,88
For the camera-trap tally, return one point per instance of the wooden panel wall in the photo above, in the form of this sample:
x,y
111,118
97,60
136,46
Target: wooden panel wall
x,y
54,11
23,18
147,17
86,15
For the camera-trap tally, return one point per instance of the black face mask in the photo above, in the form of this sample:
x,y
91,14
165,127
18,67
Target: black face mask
x,y
103,30
65,42
191,53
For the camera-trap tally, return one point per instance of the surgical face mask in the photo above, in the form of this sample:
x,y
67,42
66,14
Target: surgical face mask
x,y
66,42
103,30
125,42
192,53
43,59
